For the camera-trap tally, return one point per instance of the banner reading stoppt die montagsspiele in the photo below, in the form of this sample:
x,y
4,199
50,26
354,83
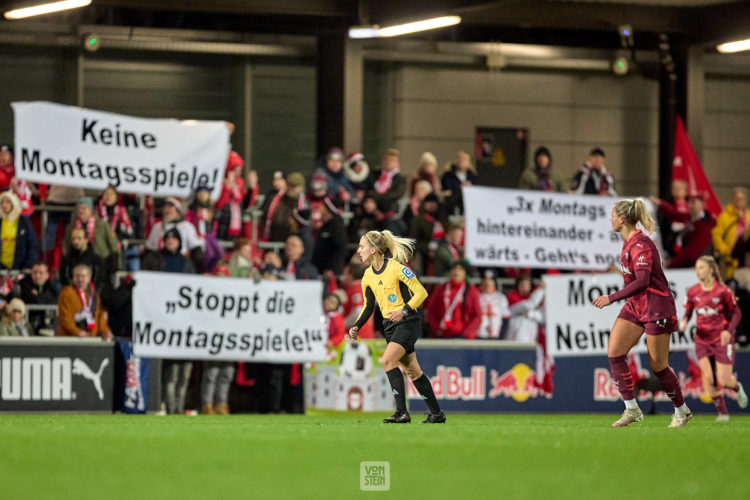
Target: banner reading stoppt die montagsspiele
x,y
187,316
511,227
70,146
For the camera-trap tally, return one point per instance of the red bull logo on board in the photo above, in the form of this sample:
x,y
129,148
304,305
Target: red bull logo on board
x,y
517,383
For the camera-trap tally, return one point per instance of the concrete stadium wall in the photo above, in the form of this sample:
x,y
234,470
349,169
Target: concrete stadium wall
x,y
437,109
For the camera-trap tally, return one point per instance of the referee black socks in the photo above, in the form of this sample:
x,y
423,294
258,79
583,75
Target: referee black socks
x,y
397,384
424,387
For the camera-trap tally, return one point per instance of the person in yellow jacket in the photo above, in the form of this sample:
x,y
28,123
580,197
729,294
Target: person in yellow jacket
x,y
733,223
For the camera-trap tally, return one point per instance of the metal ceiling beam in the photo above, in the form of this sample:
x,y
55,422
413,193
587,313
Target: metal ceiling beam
x,y
583,16
335,8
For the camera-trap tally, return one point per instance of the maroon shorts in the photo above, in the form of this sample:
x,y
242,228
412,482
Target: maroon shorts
x,y
722,353
659,327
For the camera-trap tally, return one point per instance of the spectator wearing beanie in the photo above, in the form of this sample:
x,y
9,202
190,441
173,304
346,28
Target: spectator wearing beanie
x,y
427,171
593,176
13,323
541,176
19,248
358,172
172,217
338,183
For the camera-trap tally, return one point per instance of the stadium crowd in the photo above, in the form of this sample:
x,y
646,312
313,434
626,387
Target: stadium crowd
x,y
304,226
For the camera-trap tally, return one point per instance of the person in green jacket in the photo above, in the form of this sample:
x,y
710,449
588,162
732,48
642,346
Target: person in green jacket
x,y
541,176
100,235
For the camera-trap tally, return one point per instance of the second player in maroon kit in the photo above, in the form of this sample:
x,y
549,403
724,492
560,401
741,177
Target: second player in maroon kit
x,y
649,308
717,317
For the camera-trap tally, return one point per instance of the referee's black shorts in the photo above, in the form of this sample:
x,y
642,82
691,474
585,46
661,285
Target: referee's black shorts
x,y
405,332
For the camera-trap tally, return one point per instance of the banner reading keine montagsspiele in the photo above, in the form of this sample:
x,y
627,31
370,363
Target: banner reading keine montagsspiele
x,y
184,316
80,147
575,327
511,227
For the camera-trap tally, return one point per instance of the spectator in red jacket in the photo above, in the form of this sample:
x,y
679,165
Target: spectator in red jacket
x,y
7,168
334,319
453,307
233,191
693,241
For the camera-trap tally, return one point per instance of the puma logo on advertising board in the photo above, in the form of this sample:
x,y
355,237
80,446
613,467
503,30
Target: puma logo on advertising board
x,y
45,379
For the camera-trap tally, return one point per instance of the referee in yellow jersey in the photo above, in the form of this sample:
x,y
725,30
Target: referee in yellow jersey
x,y
398,293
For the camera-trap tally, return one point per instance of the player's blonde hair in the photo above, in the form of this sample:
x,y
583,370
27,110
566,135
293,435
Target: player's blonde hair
x,y
713,266
634,211
400,248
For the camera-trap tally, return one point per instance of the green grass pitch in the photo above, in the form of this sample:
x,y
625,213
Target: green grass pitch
x,y
317,456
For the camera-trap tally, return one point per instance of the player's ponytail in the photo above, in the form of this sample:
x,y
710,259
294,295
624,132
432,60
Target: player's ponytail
x,y
634,211
400,248
713,266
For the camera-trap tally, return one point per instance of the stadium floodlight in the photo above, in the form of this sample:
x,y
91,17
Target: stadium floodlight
x,y
732,47
426,24
46,8
364,31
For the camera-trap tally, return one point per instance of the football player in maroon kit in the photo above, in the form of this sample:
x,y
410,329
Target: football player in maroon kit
x,y
649,307
717,318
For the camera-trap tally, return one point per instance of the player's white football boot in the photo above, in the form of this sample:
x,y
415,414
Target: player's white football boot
x,y
628,417
741,396
679,419
723,417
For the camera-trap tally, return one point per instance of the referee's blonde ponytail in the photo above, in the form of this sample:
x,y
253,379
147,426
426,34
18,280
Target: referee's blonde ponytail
x,y
401,249
634,211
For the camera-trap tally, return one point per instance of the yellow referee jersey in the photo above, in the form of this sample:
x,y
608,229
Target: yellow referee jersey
x,y
392,287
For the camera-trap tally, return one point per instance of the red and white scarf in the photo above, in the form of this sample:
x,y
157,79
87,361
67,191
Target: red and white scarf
x,y
271,209
88,307
119,218
437,228
383,183
202,216
90,225
450,305
235,210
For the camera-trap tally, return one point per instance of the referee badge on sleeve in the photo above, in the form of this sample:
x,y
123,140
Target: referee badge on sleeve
x,y
408,273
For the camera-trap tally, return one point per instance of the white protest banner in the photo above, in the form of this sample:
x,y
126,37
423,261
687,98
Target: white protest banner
x,y
511,227
187,316
58,144
575,327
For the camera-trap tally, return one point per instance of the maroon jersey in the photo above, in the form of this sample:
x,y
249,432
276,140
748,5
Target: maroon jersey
x,y
646,287
716,311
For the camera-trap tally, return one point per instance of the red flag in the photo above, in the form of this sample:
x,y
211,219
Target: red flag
x,y
687,167
545,365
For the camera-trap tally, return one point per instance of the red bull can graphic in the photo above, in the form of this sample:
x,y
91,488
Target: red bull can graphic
x,y
517,383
